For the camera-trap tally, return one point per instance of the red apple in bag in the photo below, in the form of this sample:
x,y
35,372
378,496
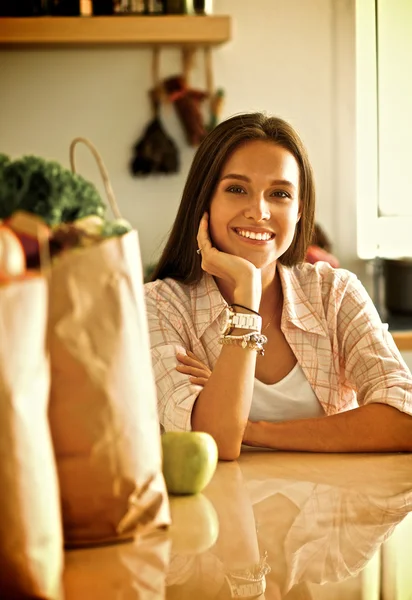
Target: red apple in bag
x,y
12,259
32,232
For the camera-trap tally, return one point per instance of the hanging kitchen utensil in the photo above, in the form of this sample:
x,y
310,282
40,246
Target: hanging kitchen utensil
x,y
187,101
215,97
155,152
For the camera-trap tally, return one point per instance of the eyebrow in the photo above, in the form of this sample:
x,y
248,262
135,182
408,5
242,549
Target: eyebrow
x,y
247,179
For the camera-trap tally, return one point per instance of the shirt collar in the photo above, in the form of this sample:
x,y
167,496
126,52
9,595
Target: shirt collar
x,y
297,308
207,303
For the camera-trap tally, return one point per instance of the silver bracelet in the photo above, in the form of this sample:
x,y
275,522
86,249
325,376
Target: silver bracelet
x,y
253,341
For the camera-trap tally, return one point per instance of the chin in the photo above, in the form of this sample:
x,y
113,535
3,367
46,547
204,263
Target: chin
x,y
262,265
259,261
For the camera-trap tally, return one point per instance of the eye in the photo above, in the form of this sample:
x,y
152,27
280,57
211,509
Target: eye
x,y
235,189
281,194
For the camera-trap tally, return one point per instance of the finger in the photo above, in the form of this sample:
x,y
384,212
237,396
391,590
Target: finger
x,y
191,355
192,362
193,371
194,357
198,381
203,238
187,360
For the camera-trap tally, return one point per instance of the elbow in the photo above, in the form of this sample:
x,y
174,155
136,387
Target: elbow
x,y
407,441
228,451
408,438
402,431
228,454
228,442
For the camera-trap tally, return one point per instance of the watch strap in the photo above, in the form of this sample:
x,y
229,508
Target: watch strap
x,y
250,322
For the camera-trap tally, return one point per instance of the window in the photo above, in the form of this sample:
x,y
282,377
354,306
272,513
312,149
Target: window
x,y
384,127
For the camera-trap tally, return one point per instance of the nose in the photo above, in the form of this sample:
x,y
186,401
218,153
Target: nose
x,y
258,208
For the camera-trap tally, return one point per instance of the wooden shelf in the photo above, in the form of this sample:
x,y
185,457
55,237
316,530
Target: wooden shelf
x,y
165,30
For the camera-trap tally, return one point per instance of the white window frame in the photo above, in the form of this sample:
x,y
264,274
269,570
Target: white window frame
x,y
376,235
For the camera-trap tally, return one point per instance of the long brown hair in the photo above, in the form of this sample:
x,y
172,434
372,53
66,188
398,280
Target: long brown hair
x,y
179,259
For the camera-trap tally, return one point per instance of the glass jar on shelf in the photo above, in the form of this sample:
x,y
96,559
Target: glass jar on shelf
x,y
154,7
139,7
178,7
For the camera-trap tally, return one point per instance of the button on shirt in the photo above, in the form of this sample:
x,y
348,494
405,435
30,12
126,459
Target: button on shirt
x,y
328,319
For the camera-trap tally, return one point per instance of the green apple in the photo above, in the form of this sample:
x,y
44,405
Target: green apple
x,y
189,461
195,524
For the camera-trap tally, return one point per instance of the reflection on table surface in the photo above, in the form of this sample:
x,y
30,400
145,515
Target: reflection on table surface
x,y
270,526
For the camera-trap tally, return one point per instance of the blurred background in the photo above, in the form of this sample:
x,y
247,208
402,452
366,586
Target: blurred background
x,y
338,70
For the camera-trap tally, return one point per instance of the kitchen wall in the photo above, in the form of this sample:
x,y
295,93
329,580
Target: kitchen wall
x,y
293,58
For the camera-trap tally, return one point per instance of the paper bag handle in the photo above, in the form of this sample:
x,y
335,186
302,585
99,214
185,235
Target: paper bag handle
x,y
103,172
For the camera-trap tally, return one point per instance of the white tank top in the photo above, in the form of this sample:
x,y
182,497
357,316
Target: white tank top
x,y
288,399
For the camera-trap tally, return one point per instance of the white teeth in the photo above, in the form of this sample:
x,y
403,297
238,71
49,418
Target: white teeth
x,y
254,236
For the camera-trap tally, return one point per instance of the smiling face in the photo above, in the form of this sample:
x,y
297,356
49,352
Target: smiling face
x,y
255,207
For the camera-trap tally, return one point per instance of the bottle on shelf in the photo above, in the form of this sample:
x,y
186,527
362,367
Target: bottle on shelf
x,y
22,8
178,7
102,7
203,7
62,8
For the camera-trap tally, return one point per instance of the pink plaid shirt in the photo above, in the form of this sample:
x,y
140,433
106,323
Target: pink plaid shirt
x,y
328,319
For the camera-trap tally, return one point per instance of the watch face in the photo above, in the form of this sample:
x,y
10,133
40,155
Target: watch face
x,y
228,326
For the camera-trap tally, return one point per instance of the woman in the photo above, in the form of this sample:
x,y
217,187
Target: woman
x,y
304,362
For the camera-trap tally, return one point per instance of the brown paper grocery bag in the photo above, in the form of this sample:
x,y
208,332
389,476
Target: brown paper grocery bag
x,y
103,413
31,549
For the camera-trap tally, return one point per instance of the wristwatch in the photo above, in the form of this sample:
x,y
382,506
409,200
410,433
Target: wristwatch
x,y
246,589
242,321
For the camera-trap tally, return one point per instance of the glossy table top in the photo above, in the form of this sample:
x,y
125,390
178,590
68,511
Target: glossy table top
x,y
271,525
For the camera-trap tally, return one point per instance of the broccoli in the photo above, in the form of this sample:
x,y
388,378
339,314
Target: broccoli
x,y
4,159
117,227
46,189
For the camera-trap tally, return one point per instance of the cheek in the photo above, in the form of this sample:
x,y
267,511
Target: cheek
x,y
218,220
290,217
294,215
213,225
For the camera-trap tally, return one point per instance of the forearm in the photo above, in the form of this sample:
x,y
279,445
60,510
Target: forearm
x,y
371,428
223,406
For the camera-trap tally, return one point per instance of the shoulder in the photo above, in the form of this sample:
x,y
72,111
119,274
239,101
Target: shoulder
x,y
335,293
165,289
321,272
167,294
197,305
322,278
